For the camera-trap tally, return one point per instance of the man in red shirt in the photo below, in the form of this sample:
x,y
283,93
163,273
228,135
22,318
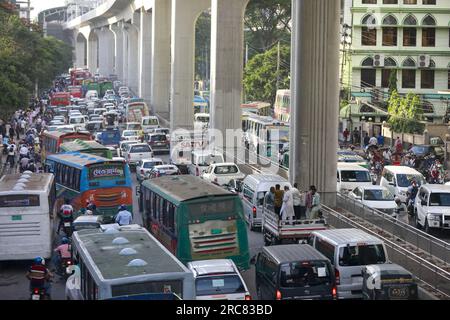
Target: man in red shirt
x,y
39,276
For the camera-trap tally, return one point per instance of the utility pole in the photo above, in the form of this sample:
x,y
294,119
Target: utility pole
x,y
278,65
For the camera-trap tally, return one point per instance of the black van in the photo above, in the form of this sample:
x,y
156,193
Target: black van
x,y
294,272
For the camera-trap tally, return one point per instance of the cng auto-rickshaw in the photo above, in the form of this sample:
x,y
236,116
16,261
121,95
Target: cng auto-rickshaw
x,y
388,282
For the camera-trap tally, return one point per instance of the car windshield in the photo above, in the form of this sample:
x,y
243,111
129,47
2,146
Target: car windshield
x,y
76,120
227,284
405,180
209,159
150,122
302,274
150,165
130,133
160,137
203,119
134,126
378,195
226,170
138,149
420,149
361,255
438,199
355,176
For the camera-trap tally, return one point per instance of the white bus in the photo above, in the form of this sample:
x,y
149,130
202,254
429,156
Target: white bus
x,y
125,263
282,107
266,136
27,208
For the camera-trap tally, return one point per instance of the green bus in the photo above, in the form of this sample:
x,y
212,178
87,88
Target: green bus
x,y
195,219
89,147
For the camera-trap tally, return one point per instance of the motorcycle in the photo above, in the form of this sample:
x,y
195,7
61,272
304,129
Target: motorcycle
x,y
65,264
39,294
68,226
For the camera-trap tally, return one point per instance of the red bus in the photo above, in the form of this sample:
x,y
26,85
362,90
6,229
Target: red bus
x,y
51,141
60,99
78,75
75,91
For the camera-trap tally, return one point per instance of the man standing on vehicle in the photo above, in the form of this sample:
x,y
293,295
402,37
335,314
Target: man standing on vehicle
x,y
269,198
124,217
278,199
297,200
412,193
287,210
312,203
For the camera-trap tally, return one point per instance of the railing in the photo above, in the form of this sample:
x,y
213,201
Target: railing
x,y
431,246
427,272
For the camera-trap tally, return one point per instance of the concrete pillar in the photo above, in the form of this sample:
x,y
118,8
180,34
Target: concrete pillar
x,y
160,58
125,53
133,57
92,52
315,96
106,51
184,17
227,51
80,51
145,51
118,50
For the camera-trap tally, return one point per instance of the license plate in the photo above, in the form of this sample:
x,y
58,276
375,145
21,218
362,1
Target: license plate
x,y
35,297
398,292
16,218
66,224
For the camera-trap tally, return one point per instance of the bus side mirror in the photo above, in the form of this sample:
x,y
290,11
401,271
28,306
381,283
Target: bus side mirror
x,y
138,190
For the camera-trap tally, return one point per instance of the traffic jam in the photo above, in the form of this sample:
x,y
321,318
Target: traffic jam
x,y
113,214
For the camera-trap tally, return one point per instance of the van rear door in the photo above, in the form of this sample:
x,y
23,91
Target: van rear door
x,y
307,280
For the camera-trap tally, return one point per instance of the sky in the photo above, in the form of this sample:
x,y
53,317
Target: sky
x,y
40,5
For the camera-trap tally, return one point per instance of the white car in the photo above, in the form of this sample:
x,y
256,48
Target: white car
x,y
375,197
218,280
78,121
123,145
432,207
130,135
136,152
223,173
144,167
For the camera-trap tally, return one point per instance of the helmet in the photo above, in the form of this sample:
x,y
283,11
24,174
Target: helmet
x,y
39,260
64,240
123,207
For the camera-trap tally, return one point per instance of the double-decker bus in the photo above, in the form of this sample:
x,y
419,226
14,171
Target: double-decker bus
x,y
266,136
60,99
52,141
81,177
282,106
27,207
89,147
75,91
194,219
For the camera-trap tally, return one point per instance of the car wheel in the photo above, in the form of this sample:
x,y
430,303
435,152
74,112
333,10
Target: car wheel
x,y
427,227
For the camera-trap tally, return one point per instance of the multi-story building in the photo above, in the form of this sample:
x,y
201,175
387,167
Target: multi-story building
x,y
406,38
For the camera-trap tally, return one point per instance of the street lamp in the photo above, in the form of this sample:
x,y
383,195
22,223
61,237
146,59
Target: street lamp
x,y
363,120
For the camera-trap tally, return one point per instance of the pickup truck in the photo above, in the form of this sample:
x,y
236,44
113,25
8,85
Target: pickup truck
x,y
136,152
277,231
223,173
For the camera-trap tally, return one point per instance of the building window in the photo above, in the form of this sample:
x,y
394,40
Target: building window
x,y
390,2
390,33
409,1
428,33
369,1
409,75
369,32
427,79
368,78
389,68
409,37
429,2
448,79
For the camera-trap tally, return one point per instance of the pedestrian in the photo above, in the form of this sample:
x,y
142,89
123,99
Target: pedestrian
x,y
11,131
124,217
297,199
366,140
278,199
398,146
24,164
356,136
373,141
313,203
346,133
287,209
380,139
12,148
269,198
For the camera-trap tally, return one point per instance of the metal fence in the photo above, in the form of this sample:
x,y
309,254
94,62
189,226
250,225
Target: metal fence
x,y
430,245
422,269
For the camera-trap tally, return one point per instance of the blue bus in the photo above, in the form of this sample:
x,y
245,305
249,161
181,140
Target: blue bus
x,y
81,177
109,138
200,105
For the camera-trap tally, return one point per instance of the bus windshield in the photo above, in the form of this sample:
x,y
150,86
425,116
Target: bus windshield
x,y
106,171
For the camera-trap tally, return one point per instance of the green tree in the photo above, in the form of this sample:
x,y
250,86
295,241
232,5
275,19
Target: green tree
x,y
260,75
405,113
392,81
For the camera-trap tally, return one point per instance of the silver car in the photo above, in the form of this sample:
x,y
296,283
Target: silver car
x,y
144,167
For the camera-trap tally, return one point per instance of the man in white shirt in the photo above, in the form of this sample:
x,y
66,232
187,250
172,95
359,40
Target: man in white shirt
x,y
124,217
373,141
297,198
23,151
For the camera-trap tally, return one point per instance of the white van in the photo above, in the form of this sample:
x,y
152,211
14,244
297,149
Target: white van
x,y
350,176
149,123
254,189
202,159
433,207
349,250
398,178
78,121
91,95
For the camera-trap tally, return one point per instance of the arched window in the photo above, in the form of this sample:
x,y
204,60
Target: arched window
x,y
410,33
409,74
366,109
427,76
428,31
368,73
388,72
369,31
390,33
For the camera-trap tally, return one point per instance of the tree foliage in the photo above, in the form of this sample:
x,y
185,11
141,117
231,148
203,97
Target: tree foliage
x,y
405,113
260,75
26,57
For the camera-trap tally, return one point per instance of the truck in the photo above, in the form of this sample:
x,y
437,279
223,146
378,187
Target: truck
x,y
278,231
136,109
104,86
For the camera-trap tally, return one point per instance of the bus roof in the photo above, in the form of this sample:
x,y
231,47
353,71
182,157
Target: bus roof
x,y
33,182
79,160
79,145
104,249
58,134
185,188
